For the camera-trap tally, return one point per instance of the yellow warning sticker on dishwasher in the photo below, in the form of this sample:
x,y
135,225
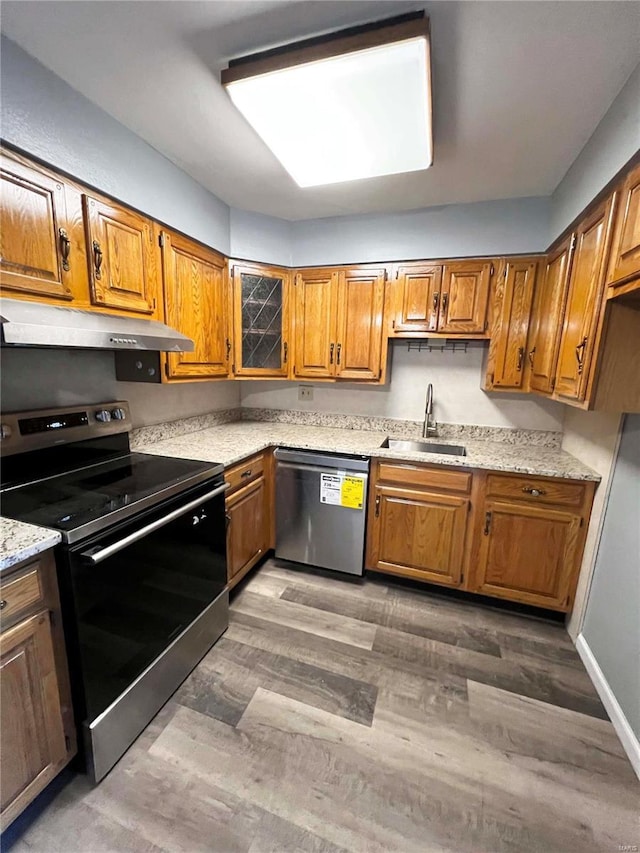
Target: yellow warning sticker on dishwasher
x,y
352,492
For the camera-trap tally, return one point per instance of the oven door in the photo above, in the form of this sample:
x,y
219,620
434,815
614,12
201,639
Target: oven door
x,y
146,600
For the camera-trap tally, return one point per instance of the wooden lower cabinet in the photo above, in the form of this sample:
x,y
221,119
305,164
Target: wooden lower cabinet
x,y
529,538
419,534
418,530
503,535
248,516
528,553
36,726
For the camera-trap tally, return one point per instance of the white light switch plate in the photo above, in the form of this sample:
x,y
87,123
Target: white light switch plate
x,y
305,392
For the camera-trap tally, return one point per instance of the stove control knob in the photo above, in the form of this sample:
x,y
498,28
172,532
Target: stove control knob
x,y
103,416
5,431
118,414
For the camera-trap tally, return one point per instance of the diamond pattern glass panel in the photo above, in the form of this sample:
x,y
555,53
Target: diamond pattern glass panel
x,y
261,321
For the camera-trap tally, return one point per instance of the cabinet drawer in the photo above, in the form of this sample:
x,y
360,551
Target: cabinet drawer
x,y
20,592
245,472
432,478
534,490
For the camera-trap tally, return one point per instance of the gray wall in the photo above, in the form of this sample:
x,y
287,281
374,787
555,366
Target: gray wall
x,y
255,237
483,228
611,626
612,144
38,379
44,116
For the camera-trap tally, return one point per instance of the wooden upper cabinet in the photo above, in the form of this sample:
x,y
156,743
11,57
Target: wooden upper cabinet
x,y
359,324
508,565
584,302
624,259
195,303
261,320
121,253
316,292
36,256
464,297
548,308
417,296
33,736
507,364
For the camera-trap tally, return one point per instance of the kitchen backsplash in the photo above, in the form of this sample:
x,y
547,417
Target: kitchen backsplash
x,y
458,397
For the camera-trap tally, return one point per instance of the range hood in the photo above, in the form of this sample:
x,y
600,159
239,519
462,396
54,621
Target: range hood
x,y
33,324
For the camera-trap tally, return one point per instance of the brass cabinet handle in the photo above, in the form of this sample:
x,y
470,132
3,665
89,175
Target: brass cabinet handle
x,y
65,248
436,299
338,353
532,352
487,523
228,342
580,355
246,473
97,258
331,348
377,506
529,490
520,359
286,352
445,299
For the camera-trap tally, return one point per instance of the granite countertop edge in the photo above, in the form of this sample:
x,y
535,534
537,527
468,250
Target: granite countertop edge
x,y
21,541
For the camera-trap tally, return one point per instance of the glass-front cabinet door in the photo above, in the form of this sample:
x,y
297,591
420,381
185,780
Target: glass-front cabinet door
x,y
261,320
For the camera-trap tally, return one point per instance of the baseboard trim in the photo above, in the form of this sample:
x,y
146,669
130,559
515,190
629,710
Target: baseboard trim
x,y
628,739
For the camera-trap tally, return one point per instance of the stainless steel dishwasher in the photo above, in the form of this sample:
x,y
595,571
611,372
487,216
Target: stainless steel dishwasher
x,y
321,508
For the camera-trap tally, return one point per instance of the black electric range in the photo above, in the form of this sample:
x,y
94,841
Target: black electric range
x,y
141,568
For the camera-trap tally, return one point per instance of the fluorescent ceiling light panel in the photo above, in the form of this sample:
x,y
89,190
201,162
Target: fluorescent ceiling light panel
x,y
357,115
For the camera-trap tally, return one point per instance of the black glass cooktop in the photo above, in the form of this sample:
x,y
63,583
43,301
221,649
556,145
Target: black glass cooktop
x,y
104,492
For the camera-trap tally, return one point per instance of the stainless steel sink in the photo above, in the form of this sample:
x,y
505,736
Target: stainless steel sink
x,y
424,447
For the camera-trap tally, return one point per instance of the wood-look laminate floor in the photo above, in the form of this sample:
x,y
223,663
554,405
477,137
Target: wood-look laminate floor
x,y
338,715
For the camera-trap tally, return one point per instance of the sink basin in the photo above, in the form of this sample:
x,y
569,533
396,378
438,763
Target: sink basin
x,y
424,447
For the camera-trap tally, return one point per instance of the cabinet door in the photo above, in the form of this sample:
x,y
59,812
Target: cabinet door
x,y
32,733
528,554
315,351
35,246
465,295
417,294
195,304
584,299
419,534
548,307
507,352
122,258
624,261
359,329
247,527
261,320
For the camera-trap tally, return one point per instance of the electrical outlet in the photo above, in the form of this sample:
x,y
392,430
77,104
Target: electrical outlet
x,y
305,392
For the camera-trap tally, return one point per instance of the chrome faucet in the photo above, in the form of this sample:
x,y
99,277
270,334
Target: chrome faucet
x,y
430,427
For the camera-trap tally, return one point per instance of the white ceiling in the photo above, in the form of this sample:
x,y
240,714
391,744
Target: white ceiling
x,y
518,89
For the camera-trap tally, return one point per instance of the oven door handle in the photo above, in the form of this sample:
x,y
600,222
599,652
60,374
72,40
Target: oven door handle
x,y
112,549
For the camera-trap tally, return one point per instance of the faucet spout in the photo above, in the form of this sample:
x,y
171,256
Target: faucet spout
x,y
430,427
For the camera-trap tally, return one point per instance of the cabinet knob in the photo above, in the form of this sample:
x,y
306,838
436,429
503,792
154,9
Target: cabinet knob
x,y
3,604
529,490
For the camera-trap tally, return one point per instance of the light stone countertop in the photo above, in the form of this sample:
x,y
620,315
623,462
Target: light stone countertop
x,y
231,442
21,541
